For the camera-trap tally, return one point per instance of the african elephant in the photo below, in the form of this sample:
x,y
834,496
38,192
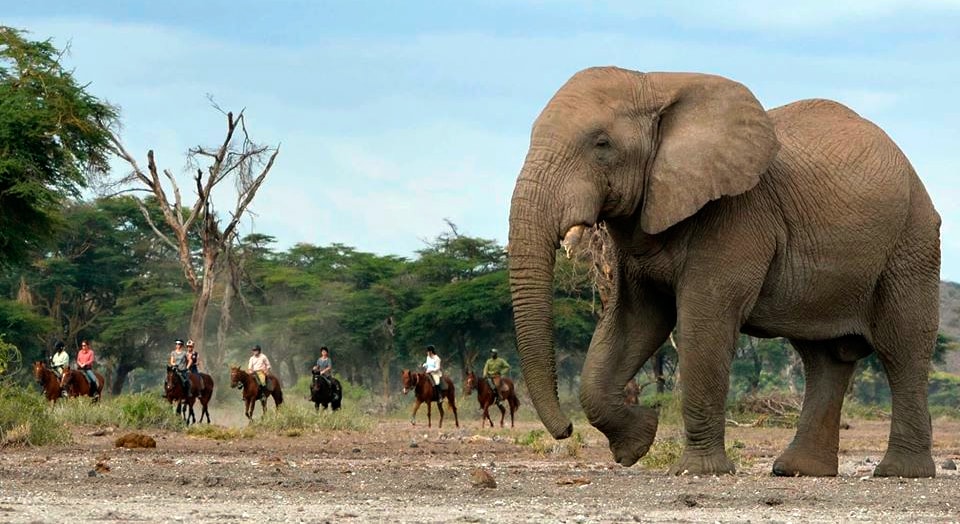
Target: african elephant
x,y
805,221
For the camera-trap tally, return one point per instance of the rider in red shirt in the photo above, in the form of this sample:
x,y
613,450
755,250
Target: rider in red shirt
x,y
85,360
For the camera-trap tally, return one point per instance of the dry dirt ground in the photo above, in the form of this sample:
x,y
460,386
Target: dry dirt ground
x,y
401,473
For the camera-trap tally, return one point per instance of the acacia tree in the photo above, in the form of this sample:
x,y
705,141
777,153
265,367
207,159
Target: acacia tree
x,y
53,137
237,159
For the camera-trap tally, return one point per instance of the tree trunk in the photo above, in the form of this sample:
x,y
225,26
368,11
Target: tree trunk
x,y
658,360
120,378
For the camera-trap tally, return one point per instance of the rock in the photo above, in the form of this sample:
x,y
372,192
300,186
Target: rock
x,y
949,464
481,478
771,501
688,500
101,467
135,440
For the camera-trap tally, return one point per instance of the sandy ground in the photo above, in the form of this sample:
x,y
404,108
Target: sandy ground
x,y
402,473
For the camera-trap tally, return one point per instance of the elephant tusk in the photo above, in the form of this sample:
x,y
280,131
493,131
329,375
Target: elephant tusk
x,y
572,239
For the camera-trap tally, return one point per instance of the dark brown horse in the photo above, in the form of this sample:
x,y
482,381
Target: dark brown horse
x,y
247,382
424,389
201,387
486,398
76,384
48,380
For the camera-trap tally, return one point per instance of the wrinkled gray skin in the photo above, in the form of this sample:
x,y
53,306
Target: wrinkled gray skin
x,y
805,221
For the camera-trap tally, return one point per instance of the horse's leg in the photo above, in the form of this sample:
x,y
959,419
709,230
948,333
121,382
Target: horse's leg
x,y
440,409
503,413
452,402
413,415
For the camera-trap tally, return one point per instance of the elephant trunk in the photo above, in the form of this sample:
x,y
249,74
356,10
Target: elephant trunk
x,y
533,241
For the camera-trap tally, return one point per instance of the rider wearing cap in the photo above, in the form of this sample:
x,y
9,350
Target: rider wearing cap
x,y
493,370
259,365
60,359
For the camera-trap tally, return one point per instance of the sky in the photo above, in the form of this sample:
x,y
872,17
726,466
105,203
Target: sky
x,y
393,117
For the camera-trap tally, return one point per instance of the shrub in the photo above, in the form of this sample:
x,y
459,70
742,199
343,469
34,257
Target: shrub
x,y
135,411
944,390
296,418
25,419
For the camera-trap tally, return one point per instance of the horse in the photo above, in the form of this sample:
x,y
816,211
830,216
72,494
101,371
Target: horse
x,y
422,386
48,381
201,387
247,382
76,384
321,392
486,398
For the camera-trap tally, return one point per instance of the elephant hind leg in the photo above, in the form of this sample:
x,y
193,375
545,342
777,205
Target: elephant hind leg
x,y
827,367
904,334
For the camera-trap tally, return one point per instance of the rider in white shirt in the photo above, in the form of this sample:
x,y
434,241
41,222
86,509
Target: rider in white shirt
x,y
432,367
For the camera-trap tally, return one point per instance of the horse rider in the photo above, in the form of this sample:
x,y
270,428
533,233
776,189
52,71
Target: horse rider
x,y
193,359
85,359
59,362
259,365
60,359
432,367
495,368
324,369
178,360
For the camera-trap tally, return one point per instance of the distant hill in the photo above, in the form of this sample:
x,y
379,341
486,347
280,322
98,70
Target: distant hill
x,y
950,320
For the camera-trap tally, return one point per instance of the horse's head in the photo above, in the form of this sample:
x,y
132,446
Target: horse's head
x,y
169,382
469,383
631,392
67,379
236,377
38,368
409,380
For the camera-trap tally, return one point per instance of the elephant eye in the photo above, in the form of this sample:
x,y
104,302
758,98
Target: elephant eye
x,y
602,141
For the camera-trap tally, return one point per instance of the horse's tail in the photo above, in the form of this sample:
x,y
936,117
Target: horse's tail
x,y
278,396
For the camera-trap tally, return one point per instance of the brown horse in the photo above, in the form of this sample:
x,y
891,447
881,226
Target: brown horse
x,y
201,387
76,384
48,381
422,386
247,382
486,398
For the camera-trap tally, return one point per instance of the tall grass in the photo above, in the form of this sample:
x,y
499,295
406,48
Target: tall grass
x,y
293,419
136,411
25,419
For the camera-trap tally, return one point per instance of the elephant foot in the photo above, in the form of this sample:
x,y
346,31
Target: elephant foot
x,y
632,443
902,464
796,463
701,464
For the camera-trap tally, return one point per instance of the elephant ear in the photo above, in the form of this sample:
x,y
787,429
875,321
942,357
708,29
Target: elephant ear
x,y
714,140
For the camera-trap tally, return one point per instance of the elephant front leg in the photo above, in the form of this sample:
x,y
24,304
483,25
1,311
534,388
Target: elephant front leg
x,y
636,322
706,352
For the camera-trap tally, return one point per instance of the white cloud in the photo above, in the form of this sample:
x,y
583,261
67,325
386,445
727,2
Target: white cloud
x,y
383,138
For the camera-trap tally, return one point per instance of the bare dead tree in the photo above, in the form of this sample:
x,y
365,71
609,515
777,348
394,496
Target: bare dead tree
x,y
238,159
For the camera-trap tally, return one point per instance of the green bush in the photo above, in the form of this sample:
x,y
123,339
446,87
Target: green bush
x,y
296,418
944,390
25,419
135,411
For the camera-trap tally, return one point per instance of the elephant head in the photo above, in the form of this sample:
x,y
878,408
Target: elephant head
x,y
617,143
